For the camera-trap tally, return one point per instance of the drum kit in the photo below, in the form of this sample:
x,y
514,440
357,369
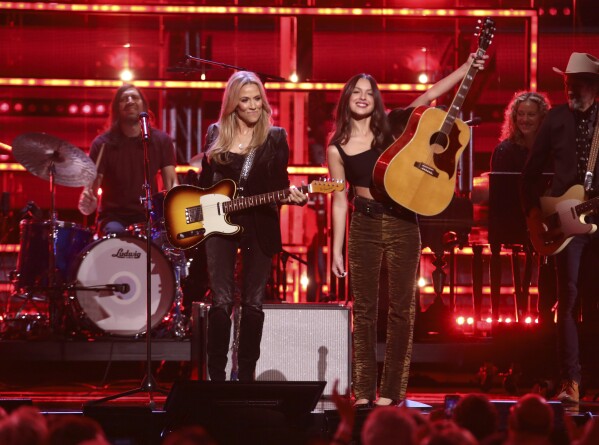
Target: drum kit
x,y
67,282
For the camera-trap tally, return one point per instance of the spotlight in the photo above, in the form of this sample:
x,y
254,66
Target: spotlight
x,y
421,282
100,109
423,78
460,320
528,320
86,109
508,320
126,75
73,109
470,320
4,107
18,107
293,78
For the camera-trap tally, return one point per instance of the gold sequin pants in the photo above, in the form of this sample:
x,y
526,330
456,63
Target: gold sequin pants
x,y
372,240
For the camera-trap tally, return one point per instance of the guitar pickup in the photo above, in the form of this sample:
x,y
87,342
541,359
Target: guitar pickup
x,y
191,233
426,169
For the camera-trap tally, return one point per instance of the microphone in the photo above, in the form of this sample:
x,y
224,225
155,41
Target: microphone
x,y
121,288
144,122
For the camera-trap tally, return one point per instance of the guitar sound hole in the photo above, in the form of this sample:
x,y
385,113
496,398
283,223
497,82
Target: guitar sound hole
x,y
439,141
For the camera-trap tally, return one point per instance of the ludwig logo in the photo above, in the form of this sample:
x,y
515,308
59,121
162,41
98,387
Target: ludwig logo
x,y
122,253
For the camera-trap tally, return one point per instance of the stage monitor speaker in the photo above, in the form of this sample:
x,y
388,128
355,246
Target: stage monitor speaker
x,y
236,412
300,342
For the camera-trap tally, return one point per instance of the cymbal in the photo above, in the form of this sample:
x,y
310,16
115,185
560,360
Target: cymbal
x,y
37,152
196,161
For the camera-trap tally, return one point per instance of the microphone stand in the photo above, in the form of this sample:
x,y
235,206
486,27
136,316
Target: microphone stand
x,y
285,255
186,68
148,384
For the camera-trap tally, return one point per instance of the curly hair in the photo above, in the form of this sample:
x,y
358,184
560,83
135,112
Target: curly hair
x,y
509,129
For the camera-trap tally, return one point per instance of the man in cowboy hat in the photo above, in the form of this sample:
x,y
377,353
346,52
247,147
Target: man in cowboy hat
x,y
565,138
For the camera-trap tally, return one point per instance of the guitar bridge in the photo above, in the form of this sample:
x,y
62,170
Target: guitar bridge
x,y
427,169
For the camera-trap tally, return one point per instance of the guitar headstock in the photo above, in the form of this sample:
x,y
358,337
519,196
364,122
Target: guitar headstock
x,y
486,31
325,185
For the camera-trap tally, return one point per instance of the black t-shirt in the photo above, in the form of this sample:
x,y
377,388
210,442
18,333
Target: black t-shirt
x,y
122,167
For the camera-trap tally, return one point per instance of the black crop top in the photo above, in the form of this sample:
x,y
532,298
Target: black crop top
x,y
358,168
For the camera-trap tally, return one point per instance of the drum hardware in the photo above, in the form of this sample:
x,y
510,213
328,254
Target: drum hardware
x,y
178,323
59,162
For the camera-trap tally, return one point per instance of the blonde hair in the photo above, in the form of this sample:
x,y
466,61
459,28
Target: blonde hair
x,y
509,129
227,121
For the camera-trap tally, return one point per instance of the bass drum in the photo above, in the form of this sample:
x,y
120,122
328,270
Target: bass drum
x,y
121,260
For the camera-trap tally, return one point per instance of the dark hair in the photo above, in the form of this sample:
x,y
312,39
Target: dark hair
x,y
113,119
379,124
477,414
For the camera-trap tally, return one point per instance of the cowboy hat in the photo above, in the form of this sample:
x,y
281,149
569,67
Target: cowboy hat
x,y
581,63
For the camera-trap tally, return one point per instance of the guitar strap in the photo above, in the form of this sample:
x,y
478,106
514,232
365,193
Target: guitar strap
x,y
245,171
588,177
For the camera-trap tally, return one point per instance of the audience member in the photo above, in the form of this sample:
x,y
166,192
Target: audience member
x,y
389,425
530,421
446,432
189,435
75,430
477,414
24,426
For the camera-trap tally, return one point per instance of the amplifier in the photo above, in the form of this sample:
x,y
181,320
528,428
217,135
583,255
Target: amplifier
x,y
300,342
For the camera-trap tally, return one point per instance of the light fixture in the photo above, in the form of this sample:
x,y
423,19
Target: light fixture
x,y
126,75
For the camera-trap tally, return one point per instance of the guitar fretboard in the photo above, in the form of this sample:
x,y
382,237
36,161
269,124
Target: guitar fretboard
x,y
194,214
460,97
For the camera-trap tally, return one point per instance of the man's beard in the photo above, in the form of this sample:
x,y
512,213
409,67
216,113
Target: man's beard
x,y
575,104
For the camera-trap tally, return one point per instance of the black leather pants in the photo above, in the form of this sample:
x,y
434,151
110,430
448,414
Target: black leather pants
x,y
221,253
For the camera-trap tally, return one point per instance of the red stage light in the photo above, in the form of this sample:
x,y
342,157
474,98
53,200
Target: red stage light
x,y
4,107
73,109
86,109
18,107
100,109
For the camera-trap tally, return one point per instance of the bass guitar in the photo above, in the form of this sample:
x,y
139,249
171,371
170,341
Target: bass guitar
x,y
563,218
418,169
191,213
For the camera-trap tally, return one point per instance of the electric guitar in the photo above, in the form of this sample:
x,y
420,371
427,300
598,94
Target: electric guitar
x,y
191,213
418,170
563,217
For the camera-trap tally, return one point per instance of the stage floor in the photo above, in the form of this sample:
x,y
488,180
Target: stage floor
x,y
140,419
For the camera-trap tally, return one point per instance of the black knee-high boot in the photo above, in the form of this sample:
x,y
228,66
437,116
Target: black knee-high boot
x,y
219,334
250,335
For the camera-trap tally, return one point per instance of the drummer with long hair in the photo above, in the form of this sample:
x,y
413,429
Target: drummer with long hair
x,y
119,157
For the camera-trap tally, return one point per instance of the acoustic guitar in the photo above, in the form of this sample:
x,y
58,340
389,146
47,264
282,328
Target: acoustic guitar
x,y
418,170
191,213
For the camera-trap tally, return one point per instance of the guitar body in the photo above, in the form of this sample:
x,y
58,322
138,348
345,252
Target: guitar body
x,y
416,171
214,219
561,220
192,213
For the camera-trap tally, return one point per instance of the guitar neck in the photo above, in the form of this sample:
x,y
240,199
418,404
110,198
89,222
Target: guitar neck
x,y
257,200
587,206
460,97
